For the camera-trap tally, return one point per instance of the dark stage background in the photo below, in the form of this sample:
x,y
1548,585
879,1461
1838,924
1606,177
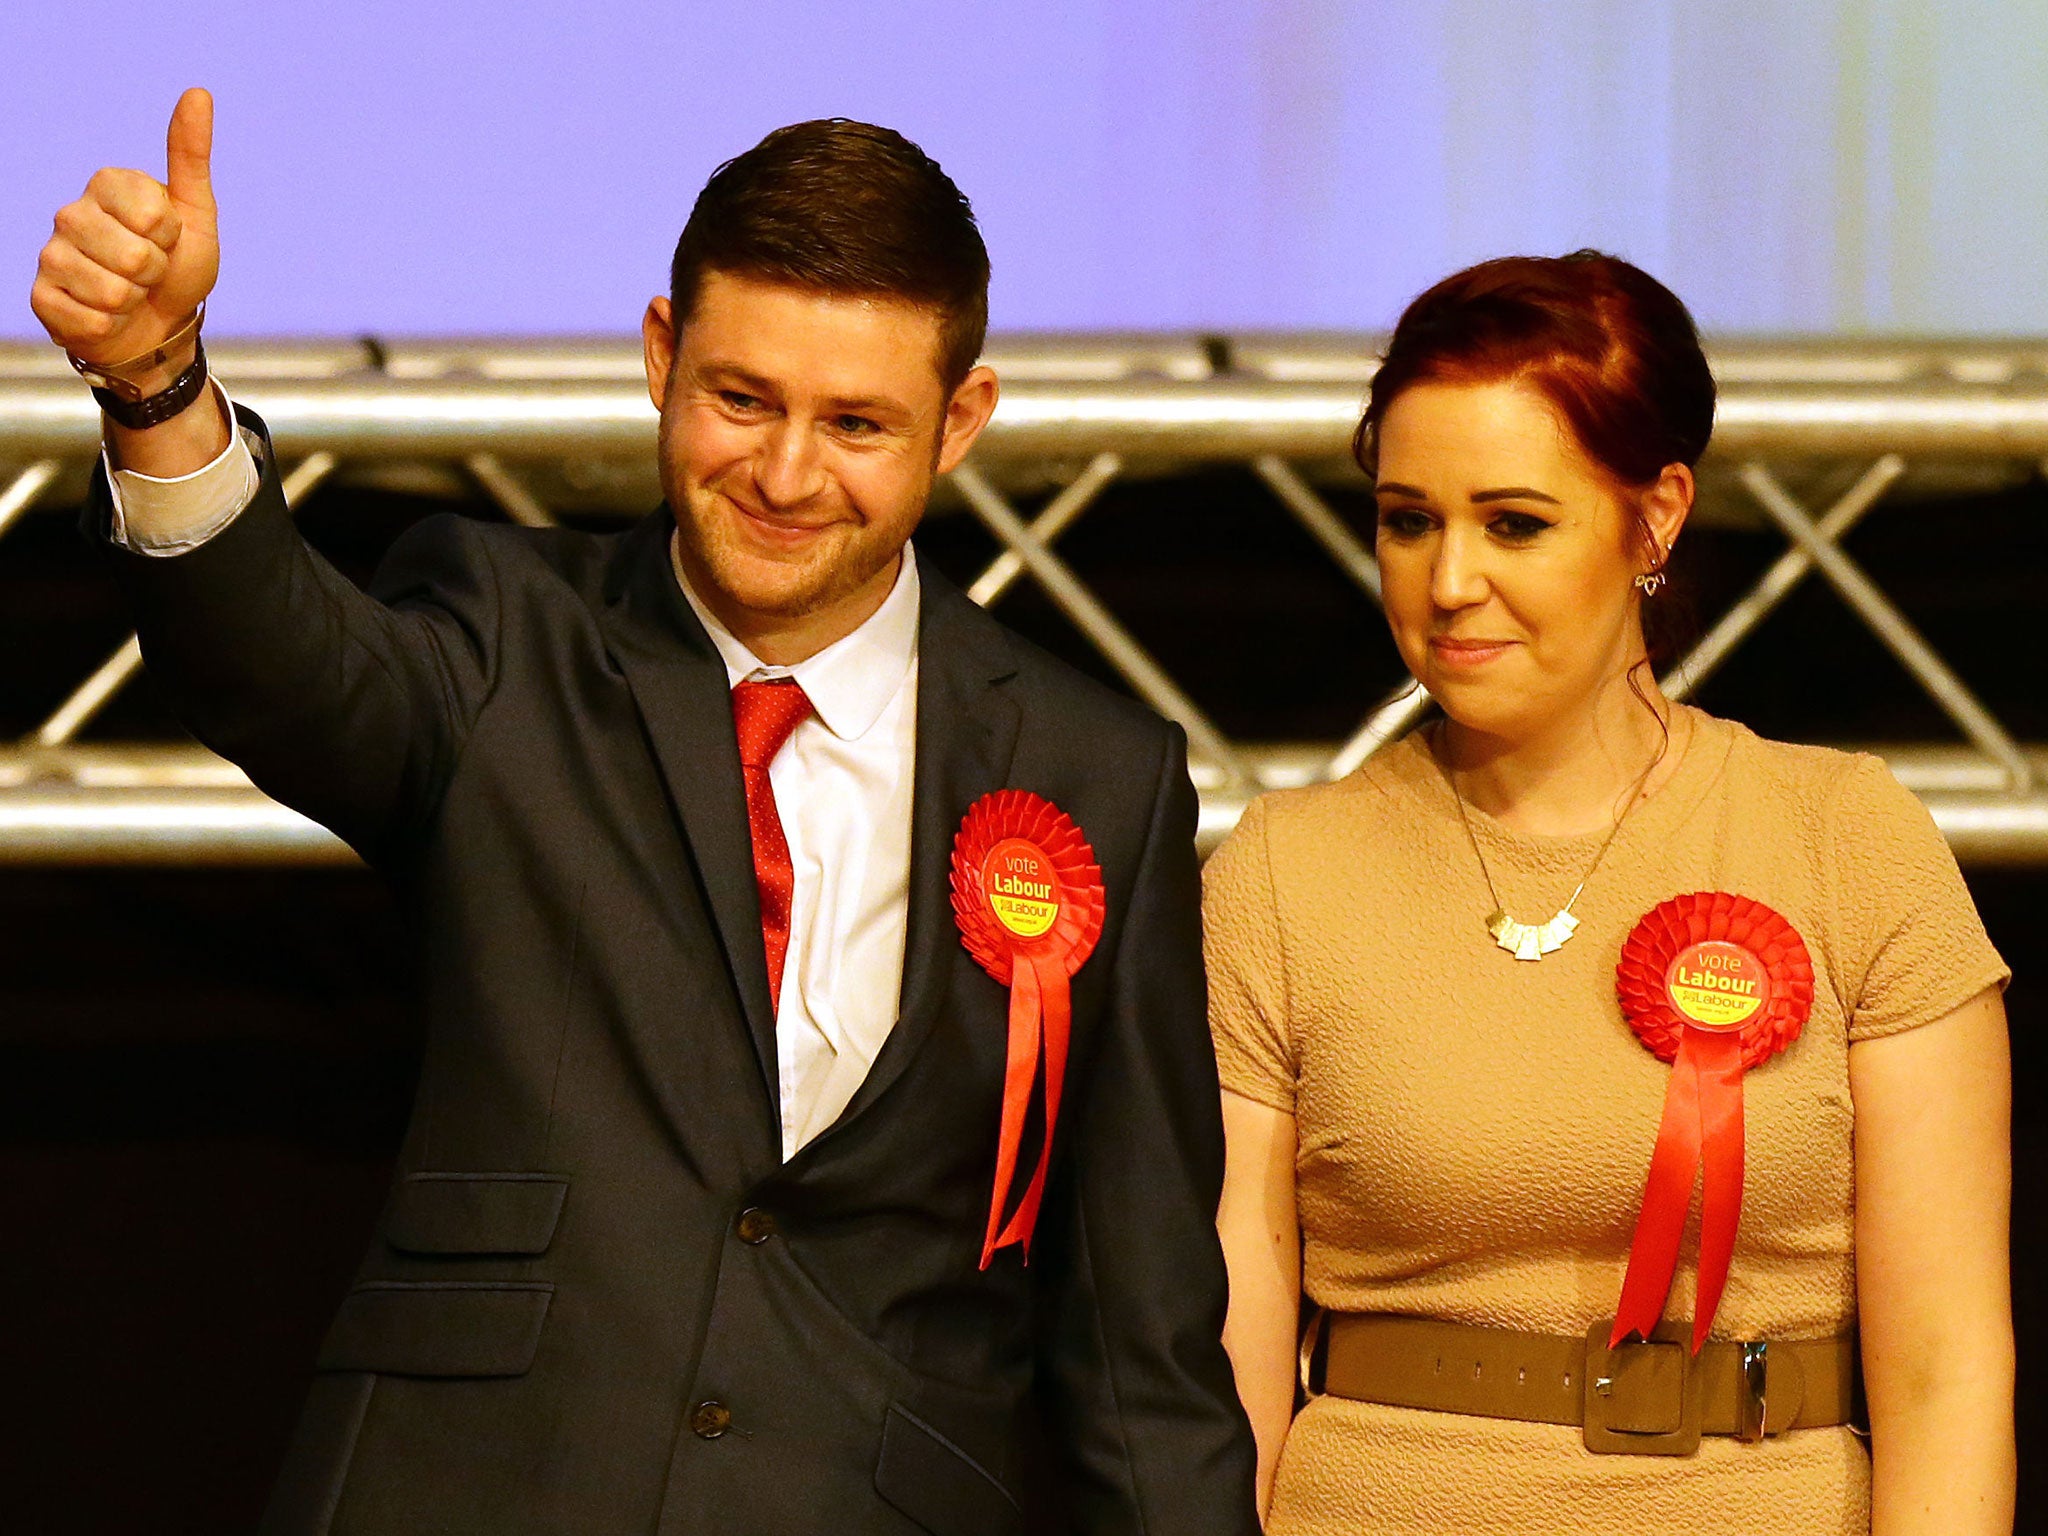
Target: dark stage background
x,y
204,1073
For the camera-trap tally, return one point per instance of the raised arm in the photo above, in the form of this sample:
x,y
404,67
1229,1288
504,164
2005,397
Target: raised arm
x,y
347,708
1933,1206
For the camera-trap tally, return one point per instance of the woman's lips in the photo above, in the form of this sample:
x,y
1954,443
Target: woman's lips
x,y
1467,653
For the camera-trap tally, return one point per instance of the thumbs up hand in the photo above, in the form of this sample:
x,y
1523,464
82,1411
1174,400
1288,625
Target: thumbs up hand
x,y
133,257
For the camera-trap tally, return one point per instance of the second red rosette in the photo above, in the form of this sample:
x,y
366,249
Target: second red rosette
x,y
1715,984
1028,897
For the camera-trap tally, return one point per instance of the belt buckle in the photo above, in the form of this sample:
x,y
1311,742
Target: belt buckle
x,y
1752,1387
1642,1398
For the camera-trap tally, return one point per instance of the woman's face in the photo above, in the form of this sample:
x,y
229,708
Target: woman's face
x,y
1508,556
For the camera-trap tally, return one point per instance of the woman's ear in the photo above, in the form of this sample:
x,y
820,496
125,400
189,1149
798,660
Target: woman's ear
x,y
1665,507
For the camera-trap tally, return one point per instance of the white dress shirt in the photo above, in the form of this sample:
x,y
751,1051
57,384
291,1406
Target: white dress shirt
x,y
842,782
843,790
155,516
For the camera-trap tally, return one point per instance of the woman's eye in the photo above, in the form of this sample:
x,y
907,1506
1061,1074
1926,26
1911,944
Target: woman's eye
x,y
1404,522
1518,527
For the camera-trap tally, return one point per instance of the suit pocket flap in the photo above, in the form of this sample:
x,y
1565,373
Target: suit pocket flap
x,y
481,1213
929,1478
438,1328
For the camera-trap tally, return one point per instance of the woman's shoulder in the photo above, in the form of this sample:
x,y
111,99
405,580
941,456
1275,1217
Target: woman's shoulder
x,y
1819,800
1814,776
1310,832
1385,791
1893,918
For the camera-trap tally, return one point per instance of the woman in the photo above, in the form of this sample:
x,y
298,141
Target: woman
x,y
1439,1114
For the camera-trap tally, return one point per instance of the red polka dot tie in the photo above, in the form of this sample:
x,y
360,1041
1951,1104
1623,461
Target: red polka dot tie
x,y
764,715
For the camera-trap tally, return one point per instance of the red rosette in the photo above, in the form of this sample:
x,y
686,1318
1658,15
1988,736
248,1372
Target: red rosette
x,y
1028,897
1701,917
1034,820
1716,984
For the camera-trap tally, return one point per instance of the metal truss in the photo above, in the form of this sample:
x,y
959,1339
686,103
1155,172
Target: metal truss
x,y
533,428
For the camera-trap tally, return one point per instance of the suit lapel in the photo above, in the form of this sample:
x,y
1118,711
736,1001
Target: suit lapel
x,y
966,734
679,683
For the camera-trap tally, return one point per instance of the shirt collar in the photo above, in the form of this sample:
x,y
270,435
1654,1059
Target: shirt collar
x,y
852,680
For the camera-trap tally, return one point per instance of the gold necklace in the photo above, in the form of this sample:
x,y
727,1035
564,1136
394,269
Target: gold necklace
x,y
1532,941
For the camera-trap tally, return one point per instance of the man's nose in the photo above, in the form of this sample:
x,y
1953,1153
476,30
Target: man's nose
x,y
789,469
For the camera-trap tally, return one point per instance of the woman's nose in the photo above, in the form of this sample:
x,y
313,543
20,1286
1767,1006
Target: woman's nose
x,y
1457,577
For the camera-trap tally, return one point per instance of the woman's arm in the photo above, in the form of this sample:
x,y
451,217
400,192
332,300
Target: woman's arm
x,y
1933,1205
1262,1251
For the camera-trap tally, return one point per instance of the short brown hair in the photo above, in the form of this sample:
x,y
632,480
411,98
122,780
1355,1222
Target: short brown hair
x,y
844,208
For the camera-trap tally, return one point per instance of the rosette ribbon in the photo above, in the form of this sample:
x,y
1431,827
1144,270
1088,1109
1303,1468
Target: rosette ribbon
x,y
1716,985
1029,901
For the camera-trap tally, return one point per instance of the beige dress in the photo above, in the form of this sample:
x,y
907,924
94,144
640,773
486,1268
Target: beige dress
x,y
1474,1131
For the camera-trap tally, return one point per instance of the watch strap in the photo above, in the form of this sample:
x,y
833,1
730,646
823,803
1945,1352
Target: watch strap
x,y
119,377
154,410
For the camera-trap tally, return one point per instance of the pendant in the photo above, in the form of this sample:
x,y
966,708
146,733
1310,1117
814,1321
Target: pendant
x,y
1531,941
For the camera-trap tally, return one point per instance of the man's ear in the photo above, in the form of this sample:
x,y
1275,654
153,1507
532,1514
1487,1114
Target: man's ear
x,y
966,414
658,346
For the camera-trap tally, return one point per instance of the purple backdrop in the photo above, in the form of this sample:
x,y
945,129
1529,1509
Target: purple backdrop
x,y
462,167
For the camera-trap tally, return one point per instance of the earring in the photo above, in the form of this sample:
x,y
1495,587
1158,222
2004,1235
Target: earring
x,y
1650,581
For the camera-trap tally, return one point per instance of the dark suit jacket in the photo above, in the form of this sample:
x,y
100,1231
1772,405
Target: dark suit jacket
x,y
563,1323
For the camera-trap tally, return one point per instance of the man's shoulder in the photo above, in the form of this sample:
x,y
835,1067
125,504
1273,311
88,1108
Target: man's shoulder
x,y
1054,693
545,564
1071,696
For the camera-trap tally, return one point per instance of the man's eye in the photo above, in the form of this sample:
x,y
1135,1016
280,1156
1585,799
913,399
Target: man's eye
x,y
855,426
738,401
1404,522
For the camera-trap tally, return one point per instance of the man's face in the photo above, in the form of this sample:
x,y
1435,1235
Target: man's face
x,y
800,435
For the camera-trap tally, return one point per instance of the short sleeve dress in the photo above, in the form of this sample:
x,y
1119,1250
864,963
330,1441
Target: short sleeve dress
x,y
1474,1131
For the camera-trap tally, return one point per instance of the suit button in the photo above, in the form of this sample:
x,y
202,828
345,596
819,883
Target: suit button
x,y
755,1225
710,1420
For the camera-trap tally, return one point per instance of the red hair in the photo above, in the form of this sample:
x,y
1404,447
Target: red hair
x,y
1611,348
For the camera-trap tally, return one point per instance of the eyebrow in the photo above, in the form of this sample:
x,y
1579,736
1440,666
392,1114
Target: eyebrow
x,y
735,374
1479,498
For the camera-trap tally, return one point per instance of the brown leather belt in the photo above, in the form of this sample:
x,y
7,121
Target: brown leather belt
x,y
1646,1398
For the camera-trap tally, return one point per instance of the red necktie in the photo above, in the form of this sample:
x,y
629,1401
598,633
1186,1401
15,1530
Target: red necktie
x,y
764,714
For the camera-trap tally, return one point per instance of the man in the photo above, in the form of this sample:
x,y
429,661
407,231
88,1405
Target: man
x,y
696,1227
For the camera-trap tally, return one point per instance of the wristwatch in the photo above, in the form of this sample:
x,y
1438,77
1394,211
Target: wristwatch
x,y
118,387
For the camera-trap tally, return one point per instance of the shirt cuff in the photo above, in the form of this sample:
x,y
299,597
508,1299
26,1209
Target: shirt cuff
x,y
152,516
